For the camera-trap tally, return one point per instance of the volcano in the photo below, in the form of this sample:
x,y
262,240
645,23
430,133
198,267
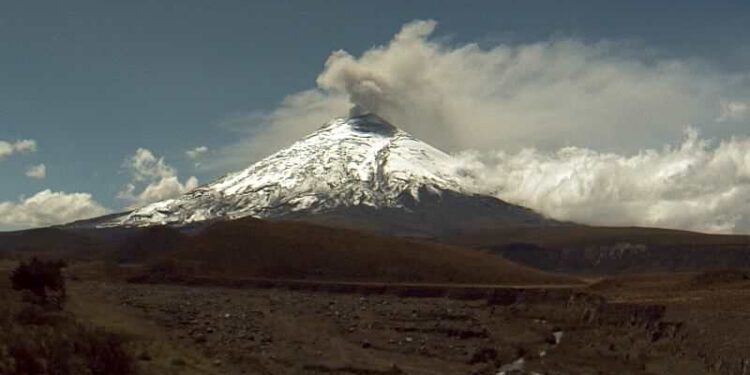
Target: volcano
x,y
360,172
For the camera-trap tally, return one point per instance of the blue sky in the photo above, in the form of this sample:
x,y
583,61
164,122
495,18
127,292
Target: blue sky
x,y
91,82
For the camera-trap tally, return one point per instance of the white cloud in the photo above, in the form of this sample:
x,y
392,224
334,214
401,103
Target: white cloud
x,y
733,110
48,208
157,180
5,149
37,171
692,186
22,146
144,166
26,145
196,152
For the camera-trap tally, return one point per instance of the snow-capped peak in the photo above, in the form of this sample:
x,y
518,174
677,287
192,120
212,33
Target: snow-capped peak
x,y
357,161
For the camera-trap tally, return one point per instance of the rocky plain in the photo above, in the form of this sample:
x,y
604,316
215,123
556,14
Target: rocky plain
x,y
658,324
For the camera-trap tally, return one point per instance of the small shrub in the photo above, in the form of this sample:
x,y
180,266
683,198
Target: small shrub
x,y
66,349
43,279
34,341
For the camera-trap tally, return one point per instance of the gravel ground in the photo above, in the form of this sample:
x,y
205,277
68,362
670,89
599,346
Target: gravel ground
x,y
276,331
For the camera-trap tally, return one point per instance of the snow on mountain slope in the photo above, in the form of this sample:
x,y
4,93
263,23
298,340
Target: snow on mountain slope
x,y
357,162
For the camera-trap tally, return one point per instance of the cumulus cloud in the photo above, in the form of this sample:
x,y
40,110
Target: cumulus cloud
x,y
581,125
694,185
22,146
48,208
37,171
152,180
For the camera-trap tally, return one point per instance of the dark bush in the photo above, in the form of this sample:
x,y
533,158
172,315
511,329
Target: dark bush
x,y
36,340
67,348
43,279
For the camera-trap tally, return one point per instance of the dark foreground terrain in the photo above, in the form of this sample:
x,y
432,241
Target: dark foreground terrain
x,y
659,324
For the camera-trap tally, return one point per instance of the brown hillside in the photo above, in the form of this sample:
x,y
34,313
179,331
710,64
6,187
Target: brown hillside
x,y
582,235
579,248
249,248
53,243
